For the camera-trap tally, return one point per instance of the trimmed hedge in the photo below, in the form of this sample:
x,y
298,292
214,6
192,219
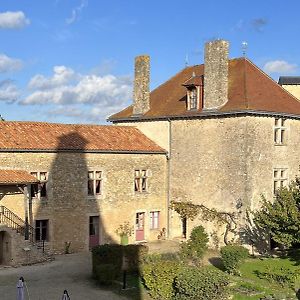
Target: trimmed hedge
x,y
232,257
113,254
159,278
203,283
106,273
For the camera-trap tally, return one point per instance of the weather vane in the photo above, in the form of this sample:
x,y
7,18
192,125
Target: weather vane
x,y
244,48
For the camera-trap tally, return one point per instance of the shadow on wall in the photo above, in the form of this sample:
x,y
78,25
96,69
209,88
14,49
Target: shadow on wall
x,y
68,216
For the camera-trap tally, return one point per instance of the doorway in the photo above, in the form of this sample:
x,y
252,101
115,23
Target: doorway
x,y
139,226
5,248
93,231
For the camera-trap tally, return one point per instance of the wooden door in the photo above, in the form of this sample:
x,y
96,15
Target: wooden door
x,y
139,226
94,232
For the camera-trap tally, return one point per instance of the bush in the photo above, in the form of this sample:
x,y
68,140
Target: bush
x,y
113,254
106,274
196,246
232,257
159,278
157,257
201,284
280,275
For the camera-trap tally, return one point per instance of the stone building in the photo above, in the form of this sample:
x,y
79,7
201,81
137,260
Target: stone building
x,y
231,132
77,183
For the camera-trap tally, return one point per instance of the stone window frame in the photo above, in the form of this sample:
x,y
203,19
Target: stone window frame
x,y
280,132
141,180
94,181
40,186
189,99
39,228
280,179
154,225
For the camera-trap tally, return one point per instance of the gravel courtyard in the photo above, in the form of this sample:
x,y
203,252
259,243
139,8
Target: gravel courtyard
x,y
48,281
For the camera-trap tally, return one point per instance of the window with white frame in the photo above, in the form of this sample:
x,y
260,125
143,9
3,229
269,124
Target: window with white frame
x,y
280,179
94,183
154,219
140,180
39,190
280,131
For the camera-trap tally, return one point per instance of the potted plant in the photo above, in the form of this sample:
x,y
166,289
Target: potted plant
x,y
124,231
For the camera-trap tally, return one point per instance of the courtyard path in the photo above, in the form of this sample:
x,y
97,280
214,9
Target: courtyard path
x,y
48,281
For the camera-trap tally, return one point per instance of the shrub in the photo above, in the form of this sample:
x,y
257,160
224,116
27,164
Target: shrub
x,y
135,255
201,284
159,278
232,257
157,257
280,275
196,246
106,273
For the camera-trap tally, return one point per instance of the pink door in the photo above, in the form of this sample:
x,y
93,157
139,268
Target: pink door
x,y
94,232
139,226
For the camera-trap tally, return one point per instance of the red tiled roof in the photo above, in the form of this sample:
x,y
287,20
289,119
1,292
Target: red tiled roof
x,y
249,88
50,136
9,177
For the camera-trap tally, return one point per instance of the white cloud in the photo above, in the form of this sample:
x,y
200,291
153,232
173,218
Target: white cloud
x,y
76,12
85,96
280,66
8,91
8,64
13,20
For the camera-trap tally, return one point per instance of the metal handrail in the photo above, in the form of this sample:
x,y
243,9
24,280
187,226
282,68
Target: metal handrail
x,y
13,221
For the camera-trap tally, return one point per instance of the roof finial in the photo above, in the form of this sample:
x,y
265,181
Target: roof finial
x,y
244,48
194,74
186,60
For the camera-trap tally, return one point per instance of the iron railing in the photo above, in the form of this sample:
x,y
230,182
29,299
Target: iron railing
x,y
13,221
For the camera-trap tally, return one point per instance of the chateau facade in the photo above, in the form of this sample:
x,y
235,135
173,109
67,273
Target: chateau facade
x,y
219,135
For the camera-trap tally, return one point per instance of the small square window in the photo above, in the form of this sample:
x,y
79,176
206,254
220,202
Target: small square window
x,y
154,220
280,137
280,179
141,180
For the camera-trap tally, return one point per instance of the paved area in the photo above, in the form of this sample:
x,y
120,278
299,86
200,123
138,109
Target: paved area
x,y
48,281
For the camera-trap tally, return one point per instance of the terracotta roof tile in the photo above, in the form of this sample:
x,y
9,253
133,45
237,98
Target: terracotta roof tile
x,y
249,88
55,137
9,177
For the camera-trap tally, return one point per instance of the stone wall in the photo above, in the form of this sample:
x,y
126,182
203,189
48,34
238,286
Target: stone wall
x,y
68,206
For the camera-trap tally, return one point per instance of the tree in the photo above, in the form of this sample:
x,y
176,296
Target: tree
x,y
281,217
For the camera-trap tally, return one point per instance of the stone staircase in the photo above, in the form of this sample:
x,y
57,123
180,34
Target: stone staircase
x,y
19,241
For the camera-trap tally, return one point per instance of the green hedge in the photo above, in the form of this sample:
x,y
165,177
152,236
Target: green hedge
x,y
203,283
113,254
159,276
232,257
106,273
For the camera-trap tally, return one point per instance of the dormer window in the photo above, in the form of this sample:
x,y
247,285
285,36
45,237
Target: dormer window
x,y
194,97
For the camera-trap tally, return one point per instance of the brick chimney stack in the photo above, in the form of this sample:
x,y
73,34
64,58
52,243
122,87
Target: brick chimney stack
x,y
141,92
215,74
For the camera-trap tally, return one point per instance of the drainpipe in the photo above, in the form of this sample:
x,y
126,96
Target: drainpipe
x,y
169,180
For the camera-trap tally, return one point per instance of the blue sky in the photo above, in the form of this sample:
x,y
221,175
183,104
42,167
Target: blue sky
x,y
71,61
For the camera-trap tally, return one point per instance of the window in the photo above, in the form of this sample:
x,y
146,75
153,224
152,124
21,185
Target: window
x,y
41,230
280,179
192,98
94,183
39,190
279,131
140,181
154,219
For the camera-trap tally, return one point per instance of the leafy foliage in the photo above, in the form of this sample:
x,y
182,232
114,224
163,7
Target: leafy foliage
x,y
185,209
232,257
159,278
281,217
196,246
106,273
124,229
201,284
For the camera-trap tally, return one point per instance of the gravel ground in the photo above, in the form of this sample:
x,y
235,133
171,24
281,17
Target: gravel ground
x,y
48,281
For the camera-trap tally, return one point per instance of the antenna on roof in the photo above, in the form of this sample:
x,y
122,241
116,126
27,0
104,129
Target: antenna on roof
x,y
186,60
244,48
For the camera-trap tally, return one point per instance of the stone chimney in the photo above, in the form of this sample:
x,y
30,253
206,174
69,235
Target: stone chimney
x,y
141,92
215,74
